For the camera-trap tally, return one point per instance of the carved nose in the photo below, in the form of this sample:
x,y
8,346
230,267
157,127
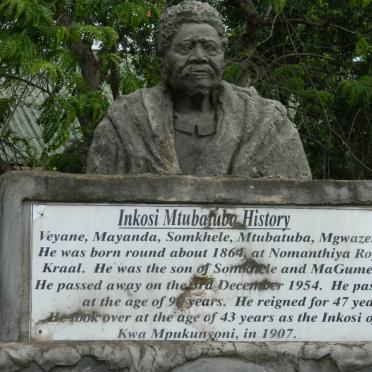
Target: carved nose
x,y
198,54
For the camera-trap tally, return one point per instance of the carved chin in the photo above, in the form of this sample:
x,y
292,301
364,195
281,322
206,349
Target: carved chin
x,y
197,85
200,89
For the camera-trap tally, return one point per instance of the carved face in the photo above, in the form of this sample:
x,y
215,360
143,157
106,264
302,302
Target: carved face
x,y
195,59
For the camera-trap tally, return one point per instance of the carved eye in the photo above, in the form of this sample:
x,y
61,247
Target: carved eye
x,y
211,48
185,48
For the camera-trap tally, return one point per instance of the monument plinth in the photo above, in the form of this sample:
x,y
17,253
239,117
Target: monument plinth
x,y
248,251
263,271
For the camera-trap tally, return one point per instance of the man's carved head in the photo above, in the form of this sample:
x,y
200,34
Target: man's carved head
x,y
190,42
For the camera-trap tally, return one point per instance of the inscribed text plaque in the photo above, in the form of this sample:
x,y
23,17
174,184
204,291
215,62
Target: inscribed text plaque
x,y
187,272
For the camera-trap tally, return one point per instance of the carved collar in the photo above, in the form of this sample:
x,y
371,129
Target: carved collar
x,y
189,127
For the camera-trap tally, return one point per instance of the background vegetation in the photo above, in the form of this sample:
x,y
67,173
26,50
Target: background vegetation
x,y
312,55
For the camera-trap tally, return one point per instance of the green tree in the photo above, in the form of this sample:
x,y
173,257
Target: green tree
x,y
313,56
73,54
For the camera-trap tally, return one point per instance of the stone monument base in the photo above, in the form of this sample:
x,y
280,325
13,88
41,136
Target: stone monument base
x,y
18,353
182,357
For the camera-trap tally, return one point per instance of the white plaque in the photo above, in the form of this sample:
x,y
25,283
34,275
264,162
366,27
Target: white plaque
x,y
187,272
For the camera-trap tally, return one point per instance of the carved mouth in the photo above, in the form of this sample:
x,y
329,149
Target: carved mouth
x,y
201,73
198,71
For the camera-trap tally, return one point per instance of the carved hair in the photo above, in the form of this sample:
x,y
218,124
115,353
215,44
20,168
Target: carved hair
x,y
186,12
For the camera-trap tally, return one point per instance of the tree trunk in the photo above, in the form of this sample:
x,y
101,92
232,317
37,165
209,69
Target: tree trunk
x,y
4,166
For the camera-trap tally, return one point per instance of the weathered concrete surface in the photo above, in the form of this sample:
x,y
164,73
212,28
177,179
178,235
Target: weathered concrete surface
x,y
182,357
17,189
253,138
156,130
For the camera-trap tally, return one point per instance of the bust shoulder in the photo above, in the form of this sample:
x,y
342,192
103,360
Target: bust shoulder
x,y
259,109
134,101
250,94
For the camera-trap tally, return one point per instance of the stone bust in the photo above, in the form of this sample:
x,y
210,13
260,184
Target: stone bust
x,y
194,122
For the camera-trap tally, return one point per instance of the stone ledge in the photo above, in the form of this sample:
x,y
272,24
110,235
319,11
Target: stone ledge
x,y
185,356
62,187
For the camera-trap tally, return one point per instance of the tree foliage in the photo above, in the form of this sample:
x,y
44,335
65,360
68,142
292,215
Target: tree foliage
x,y
314,56
73,55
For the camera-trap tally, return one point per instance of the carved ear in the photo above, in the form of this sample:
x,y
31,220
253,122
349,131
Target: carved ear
x,y
163,67
223,65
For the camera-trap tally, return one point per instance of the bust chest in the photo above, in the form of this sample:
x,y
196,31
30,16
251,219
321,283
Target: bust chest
x,y
193,132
